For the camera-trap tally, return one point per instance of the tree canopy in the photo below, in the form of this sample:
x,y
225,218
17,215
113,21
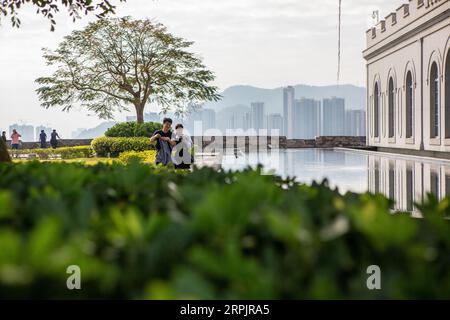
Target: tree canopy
x,y
121,62
48,8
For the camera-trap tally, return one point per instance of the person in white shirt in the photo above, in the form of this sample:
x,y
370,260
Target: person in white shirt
x,y
183,144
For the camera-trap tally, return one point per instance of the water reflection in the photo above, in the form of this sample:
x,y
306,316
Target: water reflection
x,y
404,179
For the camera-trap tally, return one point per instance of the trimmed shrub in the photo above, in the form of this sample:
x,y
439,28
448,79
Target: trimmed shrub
x,y
141,157
141,231
113,147
133,129
64,153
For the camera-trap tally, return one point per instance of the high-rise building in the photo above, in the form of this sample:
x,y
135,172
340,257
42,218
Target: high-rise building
x,y
355,123
26,131
275,122
258,116
333,117
208,117
148,117
38,129
288,108
306,118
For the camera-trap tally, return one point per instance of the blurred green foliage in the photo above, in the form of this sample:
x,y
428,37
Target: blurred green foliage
x,y
140,231
113,147
133,129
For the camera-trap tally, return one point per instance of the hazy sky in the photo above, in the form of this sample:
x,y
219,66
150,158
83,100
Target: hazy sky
x,y
266,43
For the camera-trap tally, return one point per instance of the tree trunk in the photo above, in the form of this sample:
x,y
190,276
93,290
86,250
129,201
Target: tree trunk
x,y
139,113
4,154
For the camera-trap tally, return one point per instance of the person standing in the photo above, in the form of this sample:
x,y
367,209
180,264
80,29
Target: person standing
x,y
4,137
183,157
15,140
43,139
164,143
54,139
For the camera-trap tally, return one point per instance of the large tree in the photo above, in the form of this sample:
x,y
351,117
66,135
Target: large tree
x,y
115,63
48,8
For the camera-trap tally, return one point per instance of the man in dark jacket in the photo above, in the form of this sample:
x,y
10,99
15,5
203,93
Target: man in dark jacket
x,y
164,143
43,139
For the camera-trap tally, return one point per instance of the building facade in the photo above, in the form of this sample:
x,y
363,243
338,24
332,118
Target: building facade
x,y
408,78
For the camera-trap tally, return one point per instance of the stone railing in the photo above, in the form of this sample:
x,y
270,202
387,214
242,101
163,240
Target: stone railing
x,y
242,142
61,143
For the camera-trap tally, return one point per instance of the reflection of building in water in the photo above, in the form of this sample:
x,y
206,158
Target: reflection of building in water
x,y
407,182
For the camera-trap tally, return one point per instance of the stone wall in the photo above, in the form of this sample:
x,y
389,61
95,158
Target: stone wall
x,y
61,143
243,143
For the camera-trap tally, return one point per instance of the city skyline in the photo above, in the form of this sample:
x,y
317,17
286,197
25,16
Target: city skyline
x,y
234,32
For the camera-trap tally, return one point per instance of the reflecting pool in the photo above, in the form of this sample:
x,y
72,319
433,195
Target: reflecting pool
x,y
405,179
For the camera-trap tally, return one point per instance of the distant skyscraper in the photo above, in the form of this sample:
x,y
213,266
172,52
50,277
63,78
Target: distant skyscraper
x,y
275,122
355,123
148,117
306,118
333,115
47,130
26,131
258,115
288,108
208,117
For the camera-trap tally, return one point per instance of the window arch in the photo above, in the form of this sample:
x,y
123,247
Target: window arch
x,y
434,101
376,110
391,107
447,96
409,104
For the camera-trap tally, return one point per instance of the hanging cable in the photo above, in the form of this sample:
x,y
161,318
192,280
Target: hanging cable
x,y
339,44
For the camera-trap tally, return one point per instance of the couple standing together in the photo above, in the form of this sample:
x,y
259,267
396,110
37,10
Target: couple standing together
x,y
173,147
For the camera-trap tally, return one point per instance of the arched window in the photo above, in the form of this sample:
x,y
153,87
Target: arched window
x,y
434,101
391,106
447,96
376,111
409,105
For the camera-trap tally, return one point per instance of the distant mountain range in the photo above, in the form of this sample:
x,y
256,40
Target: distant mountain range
x,y
273,98
95,132
236,101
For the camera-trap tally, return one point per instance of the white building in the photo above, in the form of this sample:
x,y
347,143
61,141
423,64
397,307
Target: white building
x,y
275,122
408,78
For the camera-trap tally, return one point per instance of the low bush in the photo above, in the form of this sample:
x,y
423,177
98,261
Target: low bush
x,y
141,157
133,129
141,231
64,153
113,147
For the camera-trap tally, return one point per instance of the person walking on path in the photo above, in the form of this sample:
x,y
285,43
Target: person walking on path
x,y
54,139
15,140
43,139
164,143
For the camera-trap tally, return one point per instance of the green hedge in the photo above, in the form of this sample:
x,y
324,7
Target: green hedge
x,y
113,147
133,129
144,232
142,157
64,153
